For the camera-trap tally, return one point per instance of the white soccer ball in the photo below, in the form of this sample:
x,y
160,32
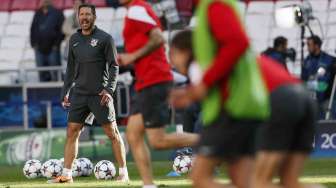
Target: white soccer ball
x,y
77,168
104,170
52,168
182,164
32,169
62,161
87,166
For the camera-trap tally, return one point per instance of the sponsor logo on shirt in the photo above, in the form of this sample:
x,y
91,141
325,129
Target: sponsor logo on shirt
x,y
94,42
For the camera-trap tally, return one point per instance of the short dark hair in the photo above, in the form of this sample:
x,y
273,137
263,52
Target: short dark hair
x,y
279,41
316,40
182,40
87,5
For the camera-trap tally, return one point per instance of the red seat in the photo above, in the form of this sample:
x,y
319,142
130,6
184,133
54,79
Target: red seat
x,y
5,5
98,3
24,5
68,4
58,4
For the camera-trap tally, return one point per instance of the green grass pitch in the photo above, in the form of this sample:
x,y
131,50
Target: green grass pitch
x,y
316,171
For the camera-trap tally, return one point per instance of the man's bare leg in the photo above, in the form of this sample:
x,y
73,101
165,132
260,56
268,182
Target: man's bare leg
x,y
291,170
240,171
267,164
118,147
159,139
202,173
70,153
71,144
135,135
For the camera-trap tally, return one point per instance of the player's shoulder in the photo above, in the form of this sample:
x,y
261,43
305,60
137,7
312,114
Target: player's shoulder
x,y
140,12
74,36
103,35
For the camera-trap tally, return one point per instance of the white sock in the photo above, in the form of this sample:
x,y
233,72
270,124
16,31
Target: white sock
x,y
67,172
123,171
149,186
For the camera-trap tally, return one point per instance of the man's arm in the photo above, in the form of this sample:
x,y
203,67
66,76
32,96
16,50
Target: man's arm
x,y
110,52
33,31
70,72
155,41
231,39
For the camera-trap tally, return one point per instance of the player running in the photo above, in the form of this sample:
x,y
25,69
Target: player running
x,y
150,111
93,68
285,90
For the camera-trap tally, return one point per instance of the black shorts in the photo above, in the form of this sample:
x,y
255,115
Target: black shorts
x,y
82,105
228,139
152,104
292,123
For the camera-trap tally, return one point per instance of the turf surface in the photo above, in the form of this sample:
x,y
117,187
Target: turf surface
x,y
316,171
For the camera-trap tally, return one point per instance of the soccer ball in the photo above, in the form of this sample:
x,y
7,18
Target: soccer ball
x,y
32,169
77,168
87,166
52,168
104,170
62,161
182,164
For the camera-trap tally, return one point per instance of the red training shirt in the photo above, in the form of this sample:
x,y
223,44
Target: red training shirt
x,y
232,43
153,68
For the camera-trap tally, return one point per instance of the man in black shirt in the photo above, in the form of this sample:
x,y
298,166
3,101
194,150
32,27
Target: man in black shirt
x,y
46,37
92,77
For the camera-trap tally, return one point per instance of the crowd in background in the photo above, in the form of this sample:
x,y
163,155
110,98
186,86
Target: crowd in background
x,y
49,28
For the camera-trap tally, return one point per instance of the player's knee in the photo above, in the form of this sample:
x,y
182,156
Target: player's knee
x,y
158,145
73,131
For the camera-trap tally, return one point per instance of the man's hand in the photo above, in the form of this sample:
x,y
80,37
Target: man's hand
x,y
106,97
180,98
126,59
184,97
66,103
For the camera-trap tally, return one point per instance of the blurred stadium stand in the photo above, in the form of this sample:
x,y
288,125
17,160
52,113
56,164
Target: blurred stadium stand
x,y
16,16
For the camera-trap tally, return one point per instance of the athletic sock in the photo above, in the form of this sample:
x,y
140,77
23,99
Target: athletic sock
x,y
149,186
67,172
123,171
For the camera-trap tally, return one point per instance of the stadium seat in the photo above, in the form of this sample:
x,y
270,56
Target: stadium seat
x,y
10,55
120,13
319,5
104,25
5,5
13,42
117,28
242,7
21,17
105,14
4,16
28,56
279,4
322,16
17,30
259,45
260,7
57,3
68,12
98,3
331,31
332,16
68,4
24,5
258,25
332,5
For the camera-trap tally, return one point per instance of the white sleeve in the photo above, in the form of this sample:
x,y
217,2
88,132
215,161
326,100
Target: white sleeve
x,y
139,13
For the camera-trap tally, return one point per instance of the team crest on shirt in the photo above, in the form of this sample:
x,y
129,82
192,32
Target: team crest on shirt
x,y
94,42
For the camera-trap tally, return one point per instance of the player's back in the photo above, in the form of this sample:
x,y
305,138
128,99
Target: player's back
x,y
274,74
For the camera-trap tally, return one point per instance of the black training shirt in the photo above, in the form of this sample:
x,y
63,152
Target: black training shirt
x,y
92,63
